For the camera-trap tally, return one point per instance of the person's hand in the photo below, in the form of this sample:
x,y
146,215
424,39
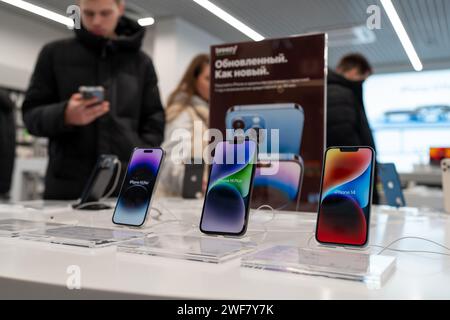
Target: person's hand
x,y
81,112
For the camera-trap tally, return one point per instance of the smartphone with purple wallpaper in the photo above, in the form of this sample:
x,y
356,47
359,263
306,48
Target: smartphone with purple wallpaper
x,y
138,187
227,199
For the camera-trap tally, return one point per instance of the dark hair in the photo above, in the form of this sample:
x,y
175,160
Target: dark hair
x,y
355,60
187,84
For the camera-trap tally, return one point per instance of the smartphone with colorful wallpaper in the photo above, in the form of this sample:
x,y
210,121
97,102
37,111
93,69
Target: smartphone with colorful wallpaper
x,y
138,187
346,196
229,190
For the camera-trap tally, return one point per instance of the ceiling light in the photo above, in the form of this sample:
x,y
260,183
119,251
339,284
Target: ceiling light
x,y
402,34
41,12
143,22
228,18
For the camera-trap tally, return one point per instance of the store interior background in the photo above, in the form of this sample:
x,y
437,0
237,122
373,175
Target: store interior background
x,y
183,29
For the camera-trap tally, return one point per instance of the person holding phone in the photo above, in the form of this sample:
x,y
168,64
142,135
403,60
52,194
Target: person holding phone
x,y
105,53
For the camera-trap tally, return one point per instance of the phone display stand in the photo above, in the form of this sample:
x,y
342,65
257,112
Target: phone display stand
x,y
92,207
357,265
11,228
189,247
82,236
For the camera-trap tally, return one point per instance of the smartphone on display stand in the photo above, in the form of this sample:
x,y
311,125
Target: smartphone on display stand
x,y
392,186
227,200
138,187
288,118
278,182
96,187
346,196
445,166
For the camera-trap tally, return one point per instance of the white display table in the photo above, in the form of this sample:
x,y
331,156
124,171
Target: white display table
x,y
31,269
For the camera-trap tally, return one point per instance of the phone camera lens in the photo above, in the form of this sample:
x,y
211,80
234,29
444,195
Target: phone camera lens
x,y
238,124
106,163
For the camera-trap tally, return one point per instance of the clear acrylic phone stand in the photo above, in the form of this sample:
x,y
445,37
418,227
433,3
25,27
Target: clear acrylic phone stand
x,y
189,247
355,265
81,236
11,228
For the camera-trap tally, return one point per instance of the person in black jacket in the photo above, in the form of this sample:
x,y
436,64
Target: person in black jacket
x,y
105,52
7,142
347,123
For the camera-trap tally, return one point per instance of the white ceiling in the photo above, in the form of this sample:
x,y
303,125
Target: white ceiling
x,y
427,22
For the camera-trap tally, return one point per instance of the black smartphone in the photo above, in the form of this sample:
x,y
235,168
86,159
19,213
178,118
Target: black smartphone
x,y
227,200
98,181
138,187
346,196
192,181
89,92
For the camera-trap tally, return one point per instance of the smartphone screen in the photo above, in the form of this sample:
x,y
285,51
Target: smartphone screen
x,y
346,195
226,206
138,186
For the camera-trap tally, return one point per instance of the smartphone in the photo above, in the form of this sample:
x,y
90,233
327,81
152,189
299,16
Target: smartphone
x,y
98,182
89,92
392,186
445,166
192,181
278,183
438,154
287,118
138,187
346,196
227,200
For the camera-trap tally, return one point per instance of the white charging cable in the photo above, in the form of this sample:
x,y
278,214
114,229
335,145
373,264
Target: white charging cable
x,y
388,247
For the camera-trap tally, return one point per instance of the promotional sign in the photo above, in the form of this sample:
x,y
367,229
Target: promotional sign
x,y
277,87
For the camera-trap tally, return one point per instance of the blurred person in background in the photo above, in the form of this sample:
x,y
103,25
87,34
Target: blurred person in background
x,y
189,103
347,123
7,143
104,52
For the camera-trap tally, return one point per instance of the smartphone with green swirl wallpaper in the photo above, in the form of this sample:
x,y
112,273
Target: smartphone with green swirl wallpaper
x,y
227,199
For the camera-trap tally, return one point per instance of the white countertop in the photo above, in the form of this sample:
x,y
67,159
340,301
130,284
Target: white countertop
x,y
31,269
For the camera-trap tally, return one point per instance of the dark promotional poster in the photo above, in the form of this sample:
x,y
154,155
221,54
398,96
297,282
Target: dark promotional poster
x,y
286,76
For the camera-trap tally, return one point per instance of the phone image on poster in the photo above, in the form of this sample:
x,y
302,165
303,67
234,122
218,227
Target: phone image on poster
x,y
281,189
287,118
138,187
346,196
227,199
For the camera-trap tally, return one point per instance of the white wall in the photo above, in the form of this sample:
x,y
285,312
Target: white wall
x,y
21,38
176,43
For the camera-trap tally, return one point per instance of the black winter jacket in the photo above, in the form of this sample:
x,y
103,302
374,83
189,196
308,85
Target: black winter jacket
x,y
136,117
7,141
347,123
